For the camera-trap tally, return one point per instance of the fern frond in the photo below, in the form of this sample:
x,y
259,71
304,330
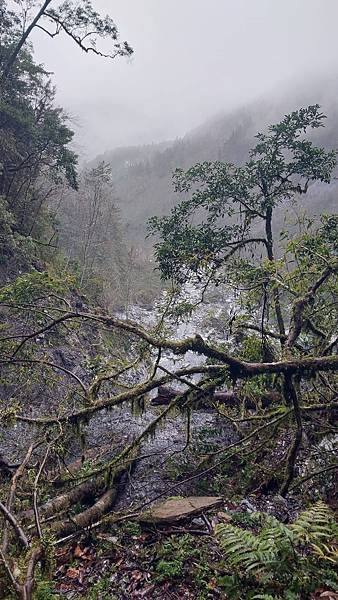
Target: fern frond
x,y
273,529
283,554
318,514
315,526
325,552
243,549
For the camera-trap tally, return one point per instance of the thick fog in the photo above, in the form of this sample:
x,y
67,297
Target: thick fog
x,y
192,58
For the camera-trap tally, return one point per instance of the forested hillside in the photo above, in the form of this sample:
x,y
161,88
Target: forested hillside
x,y
142,175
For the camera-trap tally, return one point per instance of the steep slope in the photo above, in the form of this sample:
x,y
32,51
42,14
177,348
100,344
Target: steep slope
x,y
142,174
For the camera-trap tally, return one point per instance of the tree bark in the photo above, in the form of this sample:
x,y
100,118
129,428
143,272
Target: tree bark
x,y
293,452
64,501
23,40
86,518
270,253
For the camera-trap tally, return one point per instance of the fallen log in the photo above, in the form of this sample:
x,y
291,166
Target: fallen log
x,y
165,394
63,502
94,513
86,518
93,491
80,493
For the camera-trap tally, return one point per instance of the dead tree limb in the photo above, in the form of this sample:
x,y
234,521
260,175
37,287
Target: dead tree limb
x,y
84,519
8,569
35,491
25,590
203,389
17,475
12,520
137,391
45,363
63,502
302,480
297,440
300,305
238,367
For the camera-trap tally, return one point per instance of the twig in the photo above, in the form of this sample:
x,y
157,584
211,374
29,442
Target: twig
x,y
18,473
12,520
8,569
35,491
314,474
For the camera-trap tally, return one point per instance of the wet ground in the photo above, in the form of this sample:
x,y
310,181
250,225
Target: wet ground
x,y
119,426
150,478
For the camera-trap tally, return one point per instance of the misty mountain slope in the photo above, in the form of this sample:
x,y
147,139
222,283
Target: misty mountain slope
x,y
142,175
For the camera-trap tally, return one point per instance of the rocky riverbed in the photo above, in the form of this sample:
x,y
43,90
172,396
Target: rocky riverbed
x,y
117,427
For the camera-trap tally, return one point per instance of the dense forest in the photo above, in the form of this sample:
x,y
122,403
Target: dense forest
x,y
168,344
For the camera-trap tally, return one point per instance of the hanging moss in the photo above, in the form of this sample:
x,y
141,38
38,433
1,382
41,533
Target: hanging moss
x,y
138,406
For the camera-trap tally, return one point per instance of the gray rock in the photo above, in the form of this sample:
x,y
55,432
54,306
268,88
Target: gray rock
x,y
247,506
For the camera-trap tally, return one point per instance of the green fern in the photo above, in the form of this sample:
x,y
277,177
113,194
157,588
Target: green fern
x,y
280,557
317,528
314,524
245,550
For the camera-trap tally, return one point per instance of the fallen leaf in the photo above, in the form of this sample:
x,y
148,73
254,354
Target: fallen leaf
x,y
119,562
73,573
78,552
212,585
146,591
137,575
225,516
64,587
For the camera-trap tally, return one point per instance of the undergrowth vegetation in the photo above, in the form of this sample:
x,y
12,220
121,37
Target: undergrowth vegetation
x,y
285,561
248,556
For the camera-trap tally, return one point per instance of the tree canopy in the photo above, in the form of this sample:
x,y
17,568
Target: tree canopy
x,y
78,20
227,204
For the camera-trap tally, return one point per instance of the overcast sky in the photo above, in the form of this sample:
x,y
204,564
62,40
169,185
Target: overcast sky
x,y
192,59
